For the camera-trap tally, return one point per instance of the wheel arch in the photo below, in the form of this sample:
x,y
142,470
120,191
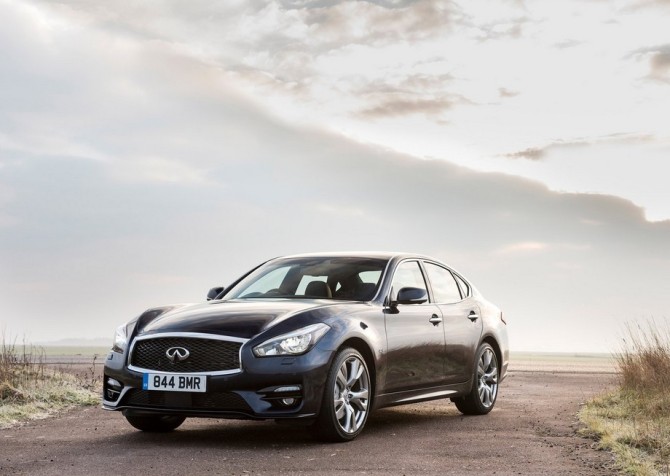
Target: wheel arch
x,y
364,349
490,340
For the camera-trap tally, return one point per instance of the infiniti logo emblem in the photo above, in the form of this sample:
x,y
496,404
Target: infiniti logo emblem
x,y
177,354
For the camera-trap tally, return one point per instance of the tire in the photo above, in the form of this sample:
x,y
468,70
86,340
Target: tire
x,y
482,397
346,398
155,424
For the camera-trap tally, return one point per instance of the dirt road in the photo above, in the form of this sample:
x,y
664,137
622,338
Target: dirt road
x,y
531,431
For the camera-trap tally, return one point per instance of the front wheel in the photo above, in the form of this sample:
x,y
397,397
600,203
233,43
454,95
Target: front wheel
x,y
155,424
346,399
484,391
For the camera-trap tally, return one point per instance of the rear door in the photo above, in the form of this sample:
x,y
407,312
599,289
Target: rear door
x,y
461,320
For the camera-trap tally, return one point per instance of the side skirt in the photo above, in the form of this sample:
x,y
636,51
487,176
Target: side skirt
x,y
422,395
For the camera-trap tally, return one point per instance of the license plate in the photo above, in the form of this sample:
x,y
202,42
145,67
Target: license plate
x,y
175,382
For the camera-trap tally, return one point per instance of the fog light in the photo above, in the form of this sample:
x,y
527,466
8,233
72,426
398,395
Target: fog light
x,y
292,388
112,389
283,397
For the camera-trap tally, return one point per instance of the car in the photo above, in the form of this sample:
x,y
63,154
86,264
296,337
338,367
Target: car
x,y
319,339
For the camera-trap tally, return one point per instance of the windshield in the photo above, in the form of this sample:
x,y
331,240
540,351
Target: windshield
x,y
342,278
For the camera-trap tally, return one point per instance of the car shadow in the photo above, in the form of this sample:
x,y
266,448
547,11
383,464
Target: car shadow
x,y
244,434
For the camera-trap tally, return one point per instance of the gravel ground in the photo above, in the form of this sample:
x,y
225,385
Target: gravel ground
x,y
532,430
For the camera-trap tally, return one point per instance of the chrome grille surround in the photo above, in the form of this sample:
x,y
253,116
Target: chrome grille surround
x,y
184,339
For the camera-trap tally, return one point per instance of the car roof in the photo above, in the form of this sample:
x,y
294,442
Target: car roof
x,y
359,254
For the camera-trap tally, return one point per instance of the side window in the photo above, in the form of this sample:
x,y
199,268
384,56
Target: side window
x,y
445,289
465,287
408,274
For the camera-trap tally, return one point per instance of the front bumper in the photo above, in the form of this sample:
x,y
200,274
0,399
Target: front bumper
x,y
266,388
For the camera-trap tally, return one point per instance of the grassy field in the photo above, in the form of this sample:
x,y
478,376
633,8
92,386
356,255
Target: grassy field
x,y
32,389
562,362
634,420
69,351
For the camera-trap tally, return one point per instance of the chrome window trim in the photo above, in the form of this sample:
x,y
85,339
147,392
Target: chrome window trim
x,y
196,335
454,274
469,286
426,279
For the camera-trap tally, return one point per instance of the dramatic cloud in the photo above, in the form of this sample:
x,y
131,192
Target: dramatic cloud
x,y
143,160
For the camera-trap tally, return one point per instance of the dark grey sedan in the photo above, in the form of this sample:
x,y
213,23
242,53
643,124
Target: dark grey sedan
x,y
322,339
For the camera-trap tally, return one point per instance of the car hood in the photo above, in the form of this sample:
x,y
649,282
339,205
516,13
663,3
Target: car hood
x,y
237,318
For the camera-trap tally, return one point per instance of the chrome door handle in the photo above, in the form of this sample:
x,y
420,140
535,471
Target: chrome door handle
x,y
473,316
435,319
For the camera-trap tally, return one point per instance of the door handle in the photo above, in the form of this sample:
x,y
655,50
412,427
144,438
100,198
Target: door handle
x,y
435,319
473,316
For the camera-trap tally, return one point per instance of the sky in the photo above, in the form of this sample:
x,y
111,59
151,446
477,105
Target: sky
x,y
152,150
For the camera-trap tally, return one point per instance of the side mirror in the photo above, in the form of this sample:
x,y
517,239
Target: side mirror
x,y
412,296
214,292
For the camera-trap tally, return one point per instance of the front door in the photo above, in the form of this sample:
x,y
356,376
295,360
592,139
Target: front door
x,y
415,335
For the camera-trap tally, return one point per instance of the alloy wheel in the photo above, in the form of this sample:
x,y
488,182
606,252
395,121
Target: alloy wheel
x,y
351,394
487,377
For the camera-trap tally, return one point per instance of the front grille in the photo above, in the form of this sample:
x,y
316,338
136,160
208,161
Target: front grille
x,y
221,401
205,355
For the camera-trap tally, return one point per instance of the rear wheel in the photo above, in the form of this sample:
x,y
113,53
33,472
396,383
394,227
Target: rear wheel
x,y
482,397
346,399
155,424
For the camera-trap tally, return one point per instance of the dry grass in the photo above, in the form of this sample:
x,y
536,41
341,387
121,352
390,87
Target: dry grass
x,y
644,362
30,390
634,420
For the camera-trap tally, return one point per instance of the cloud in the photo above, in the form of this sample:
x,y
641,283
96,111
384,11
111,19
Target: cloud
x,y
659,61
539,153
403,107
644,4
507,93
378,23
422,94
272,48
410,84
503,29
532,153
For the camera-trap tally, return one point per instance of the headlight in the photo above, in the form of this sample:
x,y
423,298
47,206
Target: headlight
x,y
294,343
120,340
